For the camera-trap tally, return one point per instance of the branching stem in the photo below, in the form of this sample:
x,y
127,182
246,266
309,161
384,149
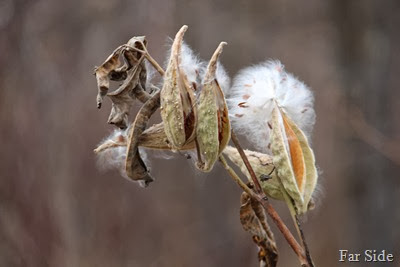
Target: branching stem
x,y
263,198
150,59
151,103
246,162
271,212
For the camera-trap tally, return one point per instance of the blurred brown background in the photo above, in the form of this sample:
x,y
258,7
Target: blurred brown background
x,y
58,209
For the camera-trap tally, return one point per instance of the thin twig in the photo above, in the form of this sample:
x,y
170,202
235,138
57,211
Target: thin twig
x,y
271,212
150,59
246,162
294,214
303,239
235,177
385,145
262,195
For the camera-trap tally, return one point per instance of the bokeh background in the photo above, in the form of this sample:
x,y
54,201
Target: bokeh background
x,y
57,208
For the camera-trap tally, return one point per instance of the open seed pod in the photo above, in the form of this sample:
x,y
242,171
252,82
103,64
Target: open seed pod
x,y
263,168
178,110
213,127
294,160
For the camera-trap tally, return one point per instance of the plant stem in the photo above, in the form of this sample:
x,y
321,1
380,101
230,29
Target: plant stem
x,y
236,177
271,211
294,214
303,239
246,162
150,59
257,185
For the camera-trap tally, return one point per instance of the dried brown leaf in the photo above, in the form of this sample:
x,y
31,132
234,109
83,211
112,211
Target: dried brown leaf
x,y
135,167
254,221
248,218
134,74
124,97
102,73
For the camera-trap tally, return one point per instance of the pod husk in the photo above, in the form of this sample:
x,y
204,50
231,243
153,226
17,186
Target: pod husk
x,y
282,159
262,165
213,126
178,110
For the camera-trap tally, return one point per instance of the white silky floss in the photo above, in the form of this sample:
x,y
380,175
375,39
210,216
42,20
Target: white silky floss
x,y
253,95
114,157
222,77
191,64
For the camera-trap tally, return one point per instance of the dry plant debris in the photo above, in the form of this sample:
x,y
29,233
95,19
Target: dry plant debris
x,y
254,221
265,102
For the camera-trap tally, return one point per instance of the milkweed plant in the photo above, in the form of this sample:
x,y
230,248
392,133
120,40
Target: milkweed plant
x,y
201,113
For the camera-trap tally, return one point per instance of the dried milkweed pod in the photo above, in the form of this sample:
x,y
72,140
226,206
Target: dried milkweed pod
x,y
178,109
311,174
274,110
263,168
294,160
213,127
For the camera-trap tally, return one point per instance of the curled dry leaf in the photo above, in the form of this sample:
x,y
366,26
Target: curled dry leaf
x,y
262,165
135,167
103,74
213,127
293,159
254,221
178,109
134,74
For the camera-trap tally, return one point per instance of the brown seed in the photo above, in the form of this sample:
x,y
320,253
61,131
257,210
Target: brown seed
x,y
243,105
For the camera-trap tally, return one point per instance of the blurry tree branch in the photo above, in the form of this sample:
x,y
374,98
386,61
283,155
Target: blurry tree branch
x,y
388,147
